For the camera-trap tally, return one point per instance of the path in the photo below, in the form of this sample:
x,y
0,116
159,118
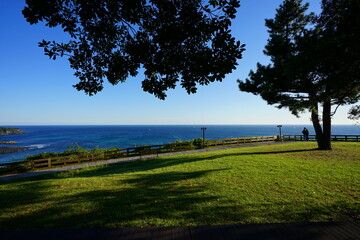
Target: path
x,y
274,231
127,159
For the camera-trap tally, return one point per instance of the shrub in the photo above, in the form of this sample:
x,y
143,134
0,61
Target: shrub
x,y
198,142
42,155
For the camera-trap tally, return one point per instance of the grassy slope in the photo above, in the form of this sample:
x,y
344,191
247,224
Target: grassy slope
x,y
276,183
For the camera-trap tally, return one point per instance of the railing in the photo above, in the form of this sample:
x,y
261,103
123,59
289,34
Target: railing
x,y
347,138
236,141
31,165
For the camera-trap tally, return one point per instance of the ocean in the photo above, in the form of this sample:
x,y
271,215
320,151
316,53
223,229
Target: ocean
x,y
58,138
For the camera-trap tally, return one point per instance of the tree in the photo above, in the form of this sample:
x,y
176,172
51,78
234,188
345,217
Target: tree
x,y
314,61
173,40
354,113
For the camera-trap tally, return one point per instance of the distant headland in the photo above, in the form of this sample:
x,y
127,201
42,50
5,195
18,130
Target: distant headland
x,y
8,131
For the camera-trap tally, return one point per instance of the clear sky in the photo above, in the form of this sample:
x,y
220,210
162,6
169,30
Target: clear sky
x,y
35,90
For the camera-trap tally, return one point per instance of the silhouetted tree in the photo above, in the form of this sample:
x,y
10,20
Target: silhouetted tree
x,y
314,61
186,40
354,113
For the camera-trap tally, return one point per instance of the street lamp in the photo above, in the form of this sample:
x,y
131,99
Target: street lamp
x,y
279,126
203,129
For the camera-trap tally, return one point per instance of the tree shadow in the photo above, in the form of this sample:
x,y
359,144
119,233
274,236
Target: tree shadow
x,y
142,199
27,193
156,199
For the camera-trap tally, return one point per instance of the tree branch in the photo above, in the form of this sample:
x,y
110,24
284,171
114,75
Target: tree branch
x,y
332,114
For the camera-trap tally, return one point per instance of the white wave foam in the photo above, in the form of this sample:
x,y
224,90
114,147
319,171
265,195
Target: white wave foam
x,y
36,146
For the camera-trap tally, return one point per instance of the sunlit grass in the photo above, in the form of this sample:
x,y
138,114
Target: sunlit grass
x,y
274,183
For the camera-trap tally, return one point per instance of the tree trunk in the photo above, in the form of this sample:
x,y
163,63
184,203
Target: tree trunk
x,y
317,127
327,125
323,135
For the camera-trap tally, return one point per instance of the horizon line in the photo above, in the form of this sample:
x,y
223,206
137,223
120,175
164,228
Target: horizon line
x,y
355,124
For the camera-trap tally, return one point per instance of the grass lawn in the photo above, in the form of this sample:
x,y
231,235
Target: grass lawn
x,y
289,182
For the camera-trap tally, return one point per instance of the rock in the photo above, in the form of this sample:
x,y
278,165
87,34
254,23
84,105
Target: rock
x,y
8,131
4,150
8,142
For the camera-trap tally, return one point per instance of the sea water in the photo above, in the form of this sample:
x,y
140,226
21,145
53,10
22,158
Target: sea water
x,y
58,138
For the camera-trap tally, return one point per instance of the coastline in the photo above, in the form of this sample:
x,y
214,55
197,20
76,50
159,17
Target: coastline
x,y
8,142
4,150
44,138
10,131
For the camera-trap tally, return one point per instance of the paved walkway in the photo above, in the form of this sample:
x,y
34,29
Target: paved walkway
x,y
280,231
120,160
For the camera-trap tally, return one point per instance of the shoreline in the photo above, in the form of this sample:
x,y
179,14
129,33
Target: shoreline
x,y
8,142
5,150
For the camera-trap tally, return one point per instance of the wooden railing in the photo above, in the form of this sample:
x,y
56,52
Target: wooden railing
x,y
32,165
350,138
235,141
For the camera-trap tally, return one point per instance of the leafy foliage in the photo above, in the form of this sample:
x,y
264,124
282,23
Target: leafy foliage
x,y
354,113
199,142
177,40
274,82
314,60
73,149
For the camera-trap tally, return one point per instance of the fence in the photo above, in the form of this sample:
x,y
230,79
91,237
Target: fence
x,y
31,165
235,141
350,138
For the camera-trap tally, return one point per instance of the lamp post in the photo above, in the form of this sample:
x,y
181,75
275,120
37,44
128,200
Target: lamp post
x,y
203,130
280,126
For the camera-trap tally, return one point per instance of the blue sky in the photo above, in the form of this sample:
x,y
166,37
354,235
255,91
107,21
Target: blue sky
x,y
35,90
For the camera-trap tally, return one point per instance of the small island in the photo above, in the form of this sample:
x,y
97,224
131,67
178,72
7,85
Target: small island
x,y
8,131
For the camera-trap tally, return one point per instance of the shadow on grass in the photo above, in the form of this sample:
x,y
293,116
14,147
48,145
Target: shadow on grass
x,y
156,199
28,193
143,199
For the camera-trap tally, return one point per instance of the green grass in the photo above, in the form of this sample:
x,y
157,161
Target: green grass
x,y
276,183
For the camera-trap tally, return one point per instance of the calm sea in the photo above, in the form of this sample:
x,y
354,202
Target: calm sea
x,y
58,138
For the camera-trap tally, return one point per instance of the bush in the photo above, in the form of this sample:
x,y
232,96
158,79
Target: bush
x,y
42,156
73,149
198,142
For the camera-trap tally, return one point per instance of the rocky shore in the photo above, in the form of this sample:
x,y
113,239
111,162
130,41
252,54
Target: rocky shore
x,y
4,150
8,142
8,131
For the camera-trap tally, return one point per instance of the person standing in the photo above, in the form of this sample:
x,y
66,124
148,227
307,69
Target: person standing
x,y
305,132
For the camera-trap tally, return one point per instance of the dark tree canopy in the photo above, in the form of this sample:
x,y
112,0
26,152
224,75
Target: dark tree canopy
x,y
354,113
315,60
173,40
274,82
